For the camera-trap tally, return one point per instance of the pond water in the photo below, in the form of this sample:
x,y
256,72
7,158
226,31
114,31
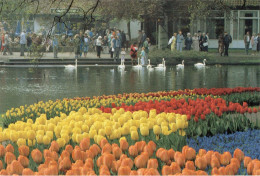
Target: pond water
x,y
20,86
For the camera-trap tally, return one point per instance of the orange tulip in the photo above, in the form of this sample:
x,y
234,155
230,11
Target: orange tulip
x,y
201,163
235,167
27,171
124,145
166,170
236,161
16,168
200,172
48,160
107,148
140,146
127,162
89,163
141,161
77,154
133,172
3,172
164,156
108,159
42,167
152,163
214,171
152,145
23,160
214,162
103,142
186,171
158,152
115,166
69,148
123,156
124,170
85,170
24,150
133,151
190,154
222,171
36,156
54,146
239,154
2,151
151,171
175,168
64,154
9,157
149,150
171,153
95,149
208,156
117,152
84,144
9,148
250,168
65,164
247,160
190,165
225,158
78,163
46,153
179,159
1,165
202,152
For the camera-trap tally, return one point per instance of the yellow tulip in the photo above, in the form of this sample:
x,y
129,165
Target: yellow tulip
x,y
108,130
92,133
31,134
21,141
144,131
49,134
134,135
156,129
180,123
39,139
61,142
85,128
46,140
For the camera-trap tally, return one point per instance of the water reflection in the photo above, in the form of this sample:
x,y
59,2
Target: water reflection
x,y
19,86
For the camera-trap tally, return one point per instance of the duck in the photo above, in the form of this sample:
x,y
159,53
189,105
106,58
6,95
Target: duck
x,y
162,65
200,65
122,65
138,65
72,66
180,66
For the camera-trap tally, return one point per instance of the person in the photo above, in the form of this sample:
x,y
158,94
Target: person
x,y
258,42
188,41
227,41
133,53
112,46
195,42
144,37
123,37
123,53
172,41
247,42
29,44
146,49
254,43
127,41
99,46
221,44
142,54
76,43
118,47
179,40
81,36
55,45
139,38
86,43
22,42
204,41
7,44
200,40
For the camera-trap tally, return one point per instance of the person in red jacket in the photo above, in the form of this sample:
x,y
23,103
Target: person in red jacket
x,y
133,53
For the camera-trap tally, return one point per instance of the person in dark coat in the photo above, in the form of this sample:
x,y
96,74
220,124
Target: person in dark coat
x,y
76,43
227,41
221,44
123,39
188,42
204,42
258,42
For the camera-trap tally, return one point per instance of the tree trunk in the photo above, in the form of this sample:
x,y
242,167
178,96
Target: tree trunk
x,y
129,29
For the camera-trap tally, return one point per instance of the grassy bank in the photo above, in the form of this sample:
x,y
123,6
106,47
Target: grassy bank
x,y
191,57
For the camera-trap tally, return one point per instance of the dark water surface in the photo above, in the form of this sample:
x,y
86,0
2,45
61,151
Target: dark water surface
x,y
20,86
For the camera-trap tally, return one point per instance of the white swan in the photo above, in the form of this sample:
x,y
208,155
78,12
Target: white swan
x,y
72,66
122,65
138,65
162,65
149,64
200,65
180,66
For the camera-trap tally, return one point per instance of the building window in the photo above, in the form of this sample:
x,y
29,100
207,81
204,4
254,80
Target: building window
x,y
215,27
248,22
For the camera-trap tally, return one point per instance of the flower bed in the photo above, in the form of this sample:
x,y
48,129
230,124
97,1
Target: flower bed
x,y
139,159
86,130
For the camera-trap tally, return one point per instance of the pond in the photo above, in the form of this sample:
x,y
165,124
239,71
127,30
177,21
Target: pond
x,y
20,86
